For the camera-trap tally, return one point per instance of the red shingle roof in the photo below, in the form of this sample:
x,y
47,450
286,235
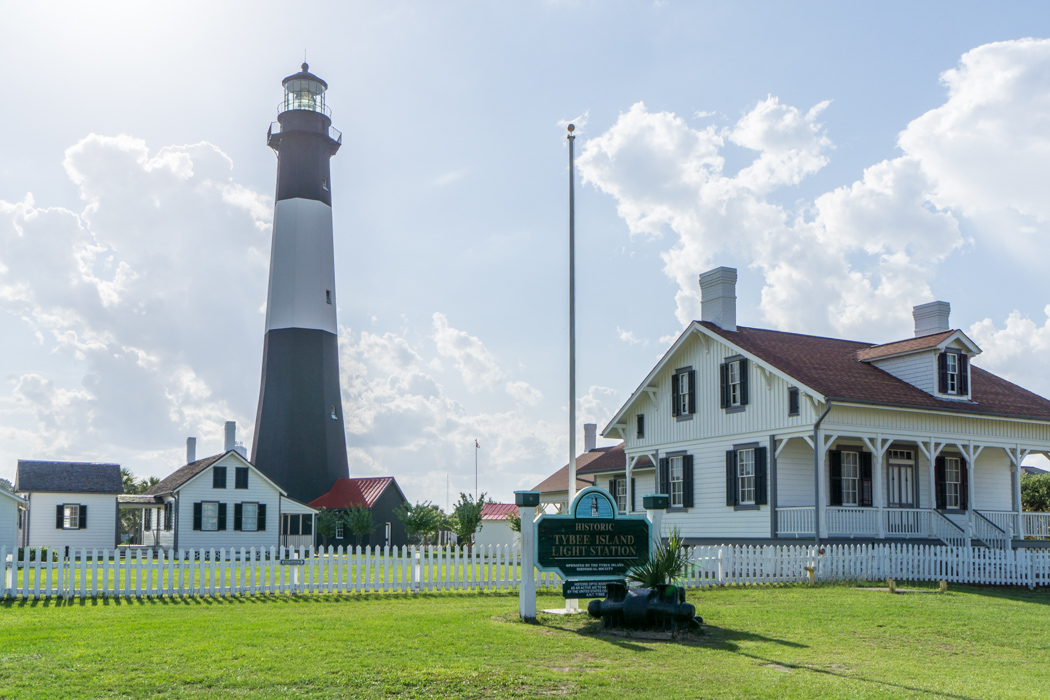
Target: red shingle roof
x,y
498,511
830,366
353,493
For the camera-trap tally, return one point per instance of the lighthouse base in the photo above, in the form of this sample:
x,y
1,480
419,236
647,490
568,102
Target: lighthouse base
x,y
299,437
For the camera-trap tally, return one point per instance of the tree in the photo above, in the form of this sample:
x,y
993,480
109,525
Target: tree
x,y
128,480
148,483
327,520
466,517
422,520
1035,492
359,521
514,520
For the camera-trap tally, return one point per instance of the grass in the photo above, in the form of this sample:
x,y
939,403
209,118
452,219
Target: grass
x,y
772,642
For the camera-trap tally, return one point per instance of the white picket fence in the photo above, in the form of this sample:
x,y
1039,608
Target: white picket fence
x,y
227,572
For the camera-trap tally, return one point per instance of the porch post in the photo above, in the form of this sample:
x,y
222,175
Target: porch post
x,y
1015,460
822,492
630,489
877,476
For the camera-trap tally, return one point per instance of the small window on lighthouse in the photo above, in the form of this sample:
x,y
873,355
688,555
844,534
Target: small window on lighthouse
x,y
324,184
335,416
328,296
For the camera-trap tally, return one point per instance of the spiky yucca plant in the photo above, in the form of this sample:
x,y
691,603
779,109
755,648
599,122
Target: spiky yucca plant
x,y
666,564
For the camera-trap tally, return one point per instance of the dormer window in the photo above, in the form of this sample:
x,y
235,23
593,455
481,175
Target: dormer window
x,y
953,373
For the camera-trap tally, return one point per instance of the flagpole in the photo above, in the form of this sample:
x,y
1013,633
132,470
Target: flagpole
x,y
476,448
572,317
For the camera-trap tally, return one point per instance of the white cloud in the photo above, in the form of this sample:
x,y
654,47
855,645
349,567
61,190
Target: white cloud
x,y
525,392
855,260
448,178
142,293
1019,350
469,355
628,337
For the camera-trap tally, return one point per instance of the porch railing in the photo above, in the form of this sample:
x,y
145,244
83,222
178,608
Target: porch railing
x,y
946,531
851,522
1037,525
1005,520
795,521
988,532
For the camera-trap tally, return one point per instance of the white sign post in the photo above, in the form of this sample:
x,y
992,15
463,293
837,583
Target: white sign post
x,y
527,502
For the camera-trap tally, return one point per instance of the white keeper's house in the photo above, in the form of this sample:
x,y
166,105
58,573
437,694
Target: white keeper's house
x,y
221,501
759,435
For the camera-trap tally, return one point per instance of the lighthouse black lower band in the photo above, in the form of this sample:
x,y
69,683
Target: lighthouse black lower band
x,y
299,439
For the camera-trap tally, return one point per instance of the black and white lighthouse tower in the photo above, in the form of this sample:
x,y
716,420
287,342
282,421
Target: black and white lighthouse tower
x,y
299,439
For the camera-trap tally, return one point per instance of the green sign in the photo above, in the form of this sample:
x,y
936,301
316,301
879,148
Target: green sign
x,y
594,542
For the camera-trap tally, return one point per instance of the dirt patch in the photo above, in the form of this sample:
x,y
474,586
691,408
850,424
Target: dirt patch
x,y
778,667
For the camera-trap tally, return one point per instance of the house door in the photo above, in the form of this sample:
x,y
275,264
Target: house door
x,y
901,467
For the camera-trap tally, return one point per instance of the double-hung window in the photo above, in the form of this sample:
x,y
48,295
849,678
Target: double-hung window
x,y
71,517
745,474
209,516
249,517
621,495
339,530
640,423
850,478
952,481
676,482
683,393
746,483
953,370
733,384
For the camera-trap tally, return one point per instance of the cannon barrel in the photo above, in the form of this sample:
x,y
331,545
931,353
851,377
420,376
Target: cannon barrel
x,y
662,608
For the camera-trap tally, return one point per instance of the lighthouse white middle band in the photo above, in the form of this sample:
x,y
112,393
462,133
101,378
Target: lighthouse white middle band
x,y
302,267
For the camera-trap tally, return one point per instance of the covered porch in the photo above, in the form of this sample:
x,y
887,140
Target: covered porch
x,y
942,489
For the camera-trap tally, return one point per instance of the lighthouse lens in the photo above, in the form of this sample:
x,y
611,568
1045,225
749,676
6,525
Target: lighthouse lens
x,y
304,94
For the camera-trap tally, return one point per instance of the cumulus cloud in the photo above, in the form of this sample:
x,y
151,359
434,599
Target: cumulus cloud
x,y
854,260
142,289
475,363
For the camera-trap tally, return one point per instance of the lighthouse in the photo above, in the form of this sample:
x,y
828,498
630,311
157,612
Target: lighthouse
x,y
299,439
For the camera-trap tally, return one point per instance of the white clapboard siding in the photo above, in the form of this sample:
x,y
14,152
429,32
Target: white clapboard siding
x,y
260,571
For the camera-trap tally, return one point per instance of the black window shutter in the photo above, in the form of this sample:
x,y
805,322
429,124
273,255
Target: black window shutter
x,y
59,516
865,496
836,478
964,486
940,481
241,478
222,516
662,477
687,480
692,391
723,386
238,510
730,477
197,516
942,373
964,374
641,426
83,516
634,496
262,517
761,497
674,395
218,477
743,382
147,518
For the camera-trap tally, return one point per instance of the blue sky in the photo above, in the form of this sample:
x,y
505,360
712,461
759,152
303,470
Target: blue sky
x,y
821,148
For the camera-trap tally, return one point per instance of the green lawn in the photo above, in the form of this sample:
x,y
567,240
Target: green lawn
x,y
773,642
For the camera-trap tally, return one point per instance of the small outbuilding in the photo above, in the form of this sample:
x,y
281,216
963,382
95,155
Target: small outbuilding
x,y
495,525
381,496
70,504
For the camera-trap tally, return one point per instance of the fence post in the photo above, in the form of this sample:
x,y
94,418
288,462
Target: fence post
x,y
527,502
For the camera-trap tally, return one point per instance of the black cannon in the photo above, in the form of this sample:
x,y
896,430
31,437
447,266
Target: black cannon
x,y
661,608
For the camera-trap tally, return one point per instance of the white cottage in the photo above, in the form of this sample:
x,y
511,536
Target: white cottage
x,y
223,501
495,528
759,435
70,504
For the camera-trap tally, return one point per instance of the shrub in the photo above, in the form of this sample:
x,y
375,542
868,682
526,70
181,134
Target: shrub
x,y
1035,492
666,564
